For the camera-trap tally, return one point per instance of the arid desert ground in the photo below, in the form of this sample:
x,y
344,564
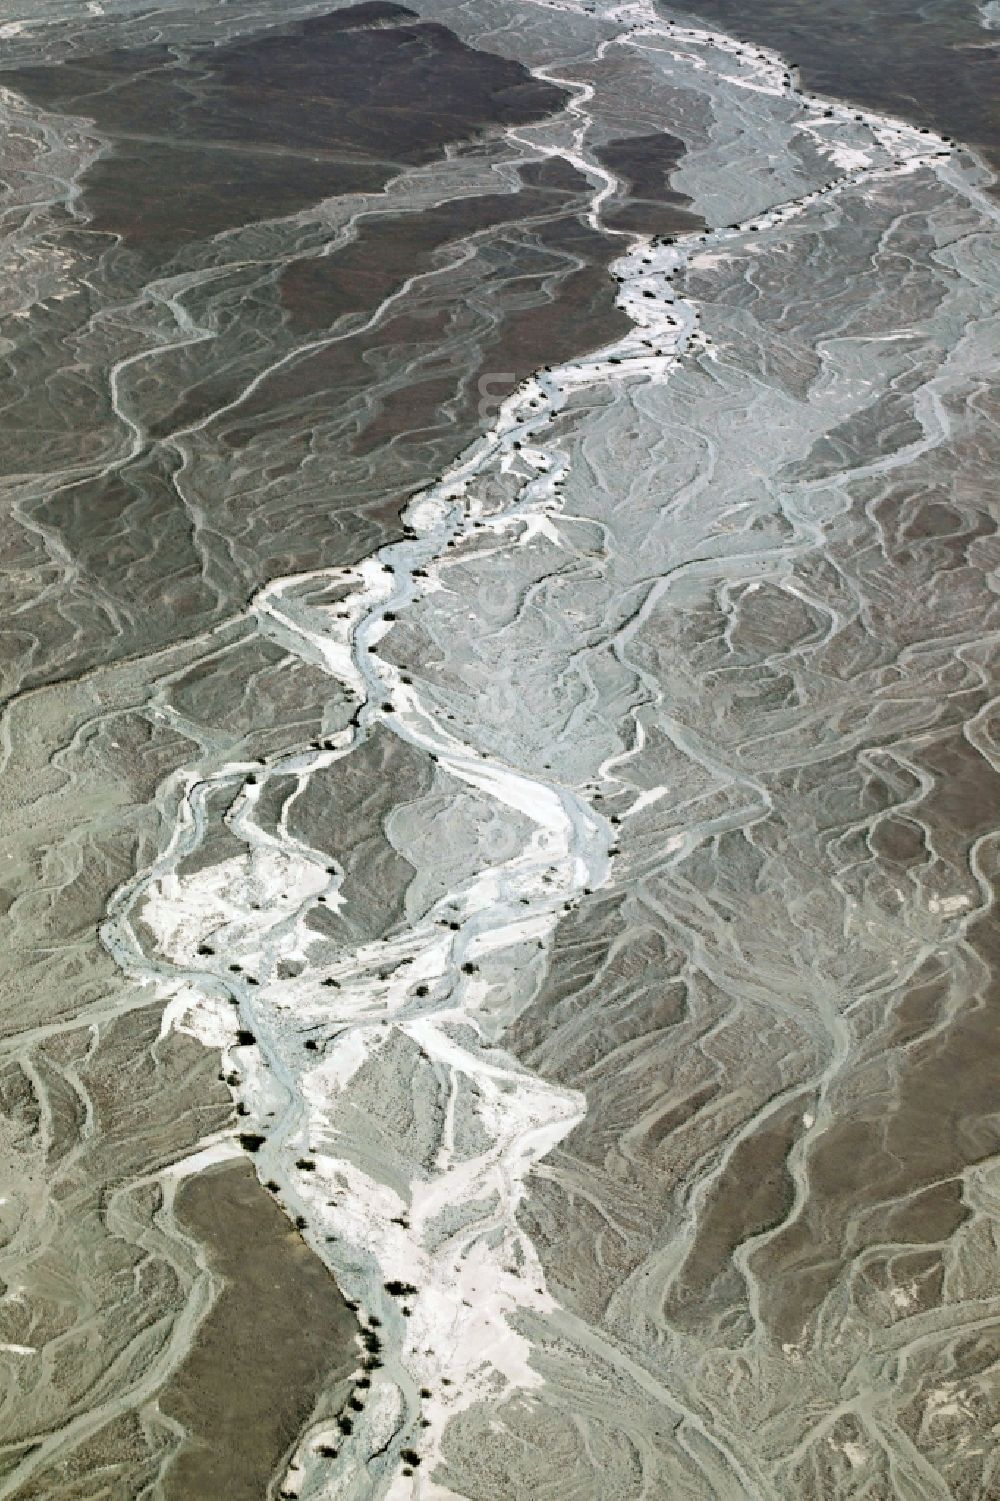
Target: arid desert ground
x,y
499,752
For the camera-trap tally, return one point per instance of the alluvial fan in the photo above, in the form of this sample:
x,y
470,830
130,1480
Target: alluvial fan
x,y
500,773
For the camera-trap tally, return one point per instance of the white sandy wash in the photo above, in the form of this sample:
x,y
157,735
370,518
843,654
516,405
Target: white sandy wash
x,y
453,1233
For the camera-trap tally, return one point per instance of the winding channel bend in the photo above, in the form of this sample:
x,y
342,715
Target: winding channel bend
x,y
457,1336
